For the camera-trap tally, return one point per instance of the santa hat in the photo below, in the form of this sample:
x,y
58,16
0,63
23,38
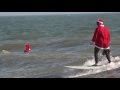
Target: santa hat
x,y
100,21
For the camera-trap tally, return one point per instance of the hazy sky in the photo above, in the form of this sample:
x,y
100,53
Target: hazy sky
x,y
40,13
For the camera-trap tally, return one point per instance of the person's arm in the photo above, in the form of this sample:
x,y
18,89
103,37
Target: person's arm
x,y
94,37
109,36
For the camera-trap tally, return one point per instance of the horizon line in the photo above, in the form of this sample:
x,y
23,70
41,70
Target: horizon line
x,y
46,13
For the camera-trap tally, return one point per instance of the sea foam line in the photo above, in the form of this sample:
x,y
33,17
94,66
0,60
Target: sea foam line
x,y
113,65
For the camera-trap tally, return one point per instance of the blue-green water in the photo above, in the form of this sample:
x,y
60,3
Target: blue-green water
x,y
56,41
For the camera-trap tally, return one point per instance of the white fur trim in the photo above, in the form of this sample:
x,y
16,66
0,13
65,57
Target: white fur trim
x,y
102,25
100,22
102,48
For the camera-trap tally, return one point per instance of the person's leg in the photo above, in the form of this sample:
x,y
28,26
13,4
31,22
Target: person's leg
x,y
96,50
107,53
103,53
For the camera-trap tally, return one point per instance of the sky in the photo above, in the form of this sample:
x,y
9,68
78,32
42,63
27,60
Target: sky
x,y
40,13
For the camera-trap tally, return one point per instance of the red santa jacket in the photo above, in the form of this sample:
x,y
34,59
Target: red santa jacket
x,y
27,48
102,37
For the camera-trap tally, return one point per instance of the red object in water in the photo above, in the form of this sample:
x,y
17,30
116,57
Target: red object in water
x,y
27,48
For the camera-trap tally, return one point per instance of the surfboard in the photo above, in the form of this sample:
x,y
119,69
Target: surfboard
x,y
84,67
109,65
5,52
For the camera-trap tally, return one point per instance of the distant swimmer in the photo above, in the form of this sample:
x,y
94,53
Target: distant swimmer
x,y
101,40
27,48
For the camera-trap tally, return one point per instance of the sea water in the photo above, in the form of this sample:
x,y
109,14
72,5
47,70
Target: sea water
x,y
56,41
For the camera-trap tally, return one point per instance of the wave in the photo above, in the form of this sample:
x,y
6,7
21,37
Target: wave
x,y
110,66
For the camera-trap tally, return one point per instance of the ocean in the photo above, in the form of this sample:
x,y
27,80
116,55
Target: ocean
x,y
56,41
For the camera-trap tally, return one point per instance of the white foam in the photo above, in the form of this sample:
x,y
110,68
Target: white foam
x,y
113,65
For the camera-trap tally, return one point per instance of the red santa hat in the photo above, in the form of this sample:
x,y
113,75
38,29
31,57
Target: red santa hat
x,y
100,21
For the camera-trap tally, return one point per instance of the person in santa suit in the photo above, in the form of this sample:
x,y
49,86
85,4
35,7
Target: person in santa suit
x,y
101,39
27,48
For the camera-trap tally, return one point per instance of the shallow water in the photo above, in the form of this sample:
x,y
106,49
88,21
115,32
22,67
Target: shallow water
x,y
56,41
